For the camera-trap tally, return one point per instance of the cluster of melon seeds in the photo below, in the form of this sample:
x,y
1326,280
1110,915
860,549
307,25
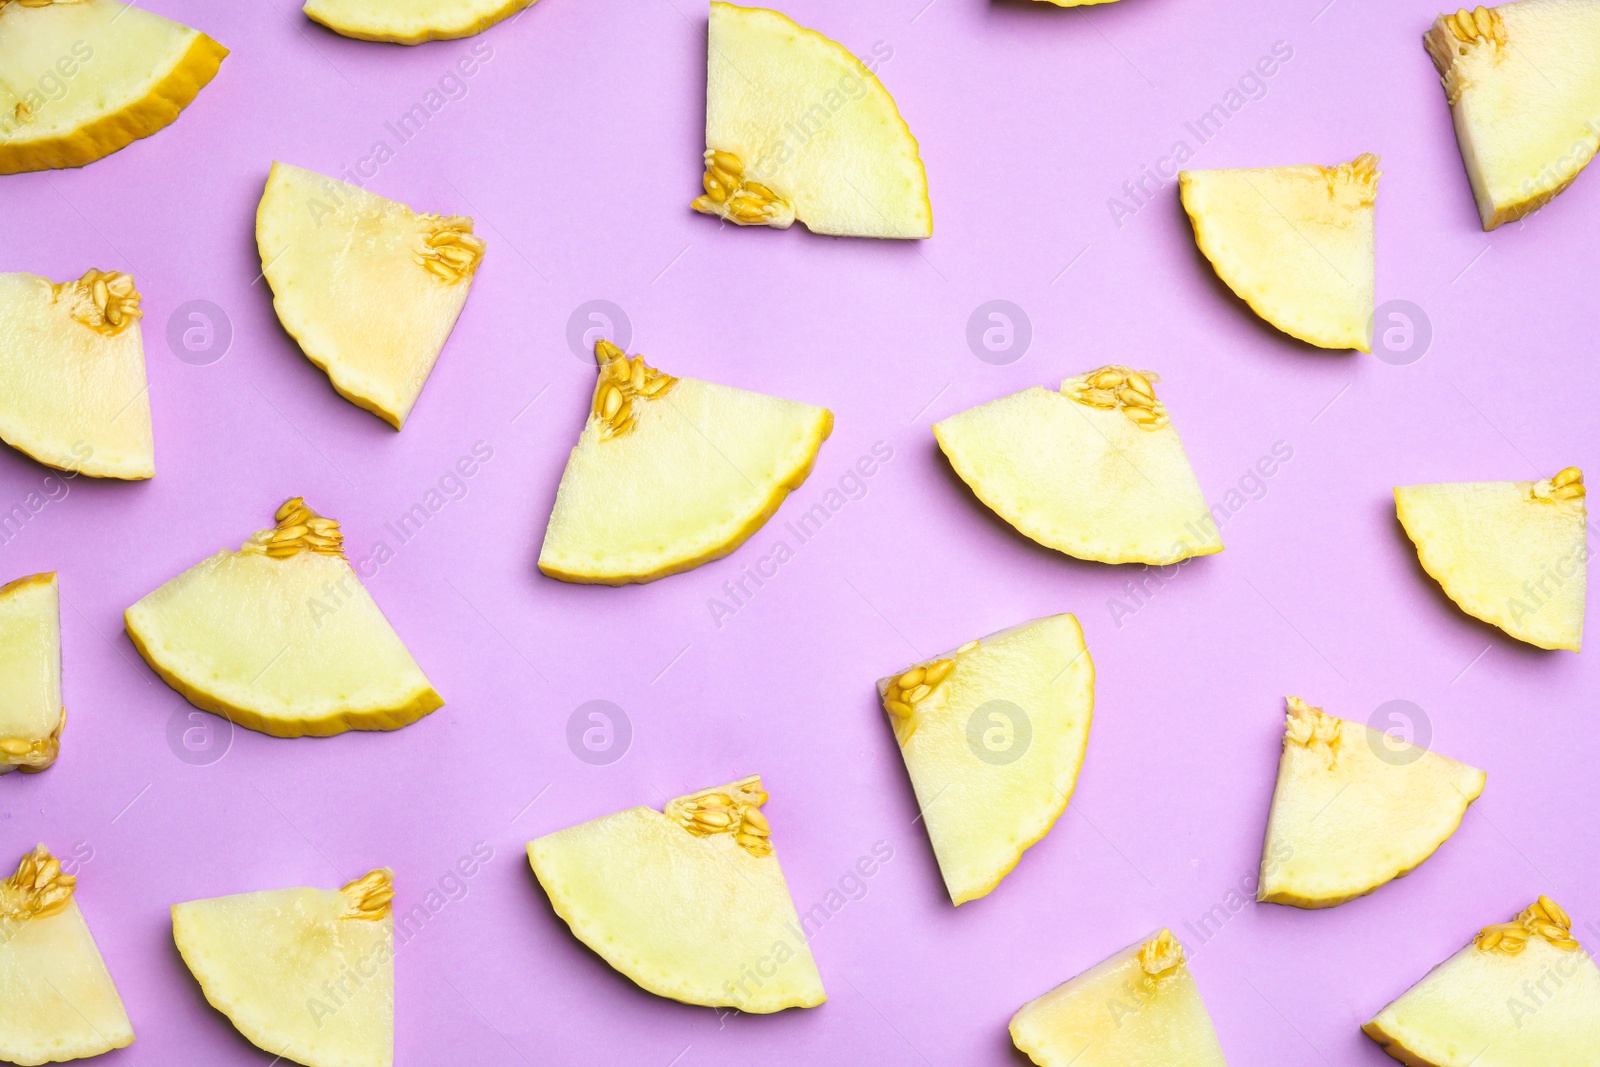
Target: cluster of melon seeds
x,y
1161,956
33,3
1543,918
901,696
105,301
32,755
449,250
734,809
624,384
731,196
1311,727
1361,174
370,896
1565,485
299,529
1119,388
38,890
1459,34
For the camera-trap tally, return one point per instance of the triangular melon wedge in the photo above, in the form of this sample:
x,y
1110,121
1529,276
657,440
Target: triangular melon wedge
x,y
84,78
1522,994
798,128
1095,470
368,288
993,735
410,21
1354,809
31,714
281,637
689,902
1294,242
72,387
1509,553
670,473
57,1000
306,974
1140,1008
1523,83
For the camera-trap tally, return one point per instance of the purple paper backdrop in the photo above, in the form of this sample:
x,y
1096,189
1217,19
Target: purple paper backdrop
x,y
576,147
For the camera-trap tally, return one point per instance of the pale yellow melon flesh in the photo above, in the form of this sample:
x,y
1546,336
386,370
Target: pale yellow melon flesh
x,y
1523,84
1140,1008
1295,243
1086,480
368,288
1354,809
299,972
1489,1007
81,80
411,21
1509,553
793,114
288,646
57,1000
72,387
31,714
697,917
994,746
697,469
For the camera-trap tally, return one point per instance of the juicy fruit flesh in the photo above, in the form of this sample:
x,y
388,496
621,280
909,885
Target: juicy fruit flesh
x,y
701,469
1085,481
1027,690
1523,83
30,672
698,919
295,973
411,21
1346,819
71,396
811,123
132,72
60,1002
1503,554
1295,243
1120,1014
350,284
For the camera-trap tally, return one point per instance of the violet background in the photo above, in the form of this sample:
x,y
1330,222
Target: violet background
x,y
577,149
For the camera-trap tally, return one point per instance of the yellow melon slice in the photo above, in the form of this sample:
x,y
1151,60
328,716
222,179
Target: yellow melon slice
x,y
1509,553
1354,809
281,637
798,128
369,288
84,78
1523,83
31,715
57,1000
72,388
1522,994
1140,1008
993,735
670,473
411,21
1095,470
1294,242
689,902
306,974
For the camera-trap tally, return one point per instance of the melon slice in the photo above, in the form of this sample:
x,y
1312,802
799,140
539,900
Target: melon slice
x,y
670,473
689,902
1140,1008
72,387
1523,83
1354,809
1522,994
281,637
368,288
1294,242
1509,553
798,128
57,1000
306,974
411,21
993,735
31,714
84,78
1095,470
